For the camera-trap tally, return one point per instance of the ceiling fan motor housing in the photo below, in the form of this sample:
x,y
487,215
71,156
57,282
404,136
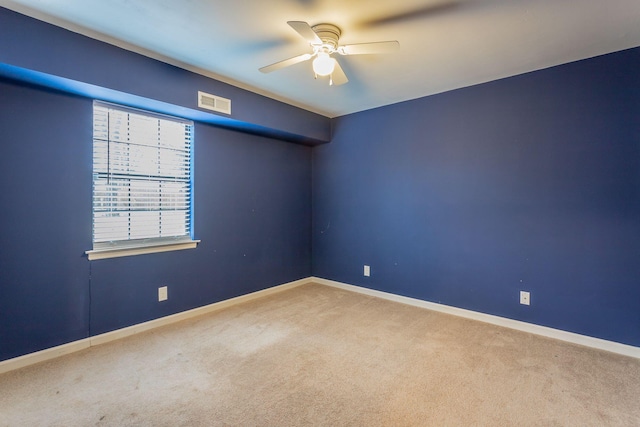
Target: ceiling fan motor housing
x,y
329,34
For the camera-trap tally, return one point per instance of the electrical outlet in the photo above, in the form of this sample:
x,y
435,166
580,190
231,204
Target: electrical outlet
x,y
163,294
367,270
525,298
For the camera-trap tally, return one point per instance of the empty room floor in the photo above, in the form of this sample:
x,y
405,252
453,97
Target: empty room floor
x,y
318,355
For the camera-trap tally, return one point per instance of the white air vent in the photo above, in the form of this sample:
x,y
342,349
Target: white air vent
x,y
214,103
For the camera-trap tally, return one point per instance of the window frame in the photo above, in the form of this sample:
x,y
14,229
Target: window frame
x,y
146,245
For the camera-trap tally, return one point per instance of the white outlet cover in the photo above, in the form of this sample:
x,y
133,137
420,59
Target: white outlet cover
x,y
367,270
525,298
162,294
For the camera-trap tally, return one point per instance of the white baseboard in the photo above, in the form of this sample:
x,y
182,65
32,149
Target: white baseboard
x,y
52,353
587,341
43,355
162,321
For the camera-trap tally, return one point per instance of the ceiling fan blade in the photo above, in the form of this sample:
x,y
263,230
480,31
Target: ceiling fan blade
x,y
338,77
286,63
305,31
369,48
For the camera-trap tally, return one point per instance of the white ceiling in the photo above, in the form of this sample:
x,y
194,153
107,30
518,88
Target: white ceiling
x,y
444,44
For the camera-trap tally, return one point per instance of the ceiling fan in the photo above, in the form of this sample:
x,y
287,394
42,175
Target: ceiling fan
x,y
323,39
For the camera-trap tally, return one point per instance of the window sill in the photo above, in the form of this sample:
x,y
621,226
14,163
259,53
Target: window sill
x,y
140,250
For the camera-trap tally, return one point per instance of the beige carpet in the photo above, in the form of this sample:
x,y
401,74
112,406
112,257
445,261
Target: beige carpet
x,y
316,355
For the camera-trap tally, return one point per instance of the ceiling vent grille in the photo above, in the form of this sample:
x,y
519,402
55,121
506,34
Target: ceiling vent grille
x,y
214,103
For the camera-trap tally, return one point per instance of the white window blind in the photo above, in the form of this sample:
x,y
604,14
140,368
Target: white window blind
x,y
141,178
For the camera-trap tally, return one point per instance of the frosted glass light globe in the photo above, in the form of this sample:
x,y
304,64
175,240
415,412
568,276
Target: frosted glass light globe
x,y
323,64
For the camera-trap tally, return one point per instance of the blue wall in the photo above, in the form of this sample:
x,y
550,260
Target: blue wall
x,y
45,219
252,193
466,198
253,215
252,212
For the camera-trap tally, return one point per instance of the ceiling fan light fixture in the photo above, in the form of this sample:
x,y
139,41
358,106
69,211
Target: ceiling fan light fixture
x,y
324,39
323,65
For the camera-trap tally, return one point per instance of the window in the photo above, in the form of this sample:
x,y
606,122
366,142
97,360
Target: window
x,y
141,182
